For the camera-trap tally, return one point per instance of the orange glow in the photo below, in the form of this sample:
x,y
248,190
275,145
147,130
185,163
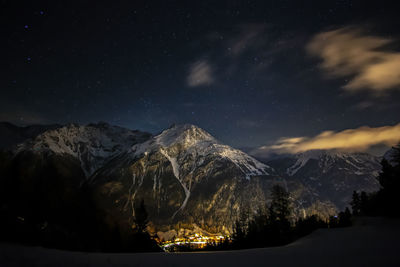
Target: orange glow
x,y
359,139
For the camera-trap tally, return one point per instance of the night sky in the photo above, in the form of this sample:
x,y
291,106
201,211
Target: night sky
x,y
248,72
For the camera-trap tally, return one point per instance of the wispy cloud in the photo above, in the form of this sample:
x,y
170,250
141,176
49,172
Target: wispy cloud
x,y
250,36
200,73
247,50
360,139
348,52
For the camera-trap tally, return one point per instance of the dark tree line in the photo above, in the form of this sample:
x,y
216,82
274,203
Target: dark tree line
x,y
137,239
42,202
80,229
385,202
273,225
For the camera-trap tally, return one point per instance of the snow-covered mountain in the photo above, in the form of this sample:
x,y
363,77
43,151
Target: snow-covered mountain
x,y
93,144
331,175
11,135
359,163
389,156
185,176
182,141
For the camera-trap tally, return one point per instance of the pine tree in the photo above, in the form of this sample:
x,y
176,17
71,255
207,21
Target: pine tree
x,y
238,234
240,231
140,240
279,226
280,209
141,217
396,155
345,218
389,180
385,177
364,203
356,203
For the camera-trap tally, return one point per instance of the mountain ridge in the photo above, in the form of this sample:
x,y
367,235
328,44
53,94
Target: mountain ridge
x,y
187,178
91,144
331,173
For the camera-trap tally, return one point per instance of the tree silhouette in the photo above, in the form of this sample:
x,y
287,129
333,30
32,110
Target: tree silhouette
x,y
386,201
356,203
278,230
141,240
141,217
240,233
389,180
396,155
280,209
386,177
345,218
364,205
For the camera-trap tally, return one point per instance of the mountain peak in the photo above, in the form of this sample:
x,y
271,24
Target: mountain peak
x,y
181,142
101,124
183,127
185,134
93,144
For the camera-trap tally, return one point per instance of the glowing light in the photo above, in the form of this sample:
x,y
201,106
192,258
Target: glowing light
x,y
198,240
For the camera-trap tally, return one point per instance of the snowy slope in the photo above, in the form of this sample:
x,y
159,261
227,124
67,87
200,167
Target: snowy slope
x,y
359,163
92,144
182,141
185,176
372,244
331,175
187,147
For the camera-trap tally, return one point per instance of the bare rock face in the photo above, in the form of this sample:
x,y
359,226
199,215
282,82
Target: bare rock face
x,y
186,178
92,145
331,176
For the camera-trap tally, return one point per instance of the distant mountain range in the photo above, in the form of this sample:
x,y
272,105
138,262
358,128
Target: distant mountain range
x,y
11,135
188,180
331,176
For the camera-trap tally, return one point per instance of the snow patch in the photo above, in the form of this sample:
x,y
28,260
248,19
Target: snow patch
x,y
93,145
175,169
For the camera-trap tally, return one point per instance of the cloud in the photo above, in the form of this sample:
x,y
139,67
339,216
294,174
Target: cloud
x,y
247,50
359,139
251,36
347,52
200,73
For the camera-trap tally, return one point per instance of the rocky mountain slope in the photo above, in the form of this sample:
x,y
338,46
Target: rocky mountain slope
x,y
44,179
331,176
185,177
188,180
389,156
92,145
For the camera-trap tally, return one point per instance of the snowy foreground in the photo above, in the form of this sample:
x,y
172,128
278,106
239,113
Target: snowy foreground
x,y
372,242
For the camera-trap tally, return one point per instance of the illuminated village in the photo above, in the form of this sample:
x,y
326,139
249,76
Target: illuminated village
x,y
196,241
